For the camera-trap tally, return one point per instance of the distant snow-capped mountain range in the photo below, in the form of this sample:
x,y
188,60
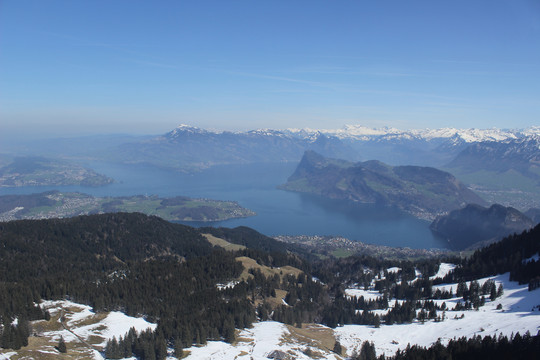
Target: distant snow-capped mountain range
x,y
359,132
191,148
363,133
516,148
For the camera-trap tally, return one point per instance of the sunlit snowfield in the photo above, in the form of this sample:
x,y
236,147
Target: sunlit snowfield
x,y
518,314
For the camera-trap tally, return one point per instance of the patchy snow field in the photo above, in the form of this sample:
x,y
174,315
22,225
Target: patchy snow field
x,y
116,324
85,332
85,323
367,294
257,343
517,315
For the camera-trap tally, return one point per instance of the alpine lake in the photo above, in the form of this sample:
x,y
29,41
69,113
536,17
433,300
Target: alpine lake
x,y
279,212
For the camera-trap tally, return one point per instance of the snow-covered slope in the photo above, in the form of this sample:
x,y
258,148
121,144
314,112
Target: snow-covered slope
x,y
84,331
444,269
263,339
520,313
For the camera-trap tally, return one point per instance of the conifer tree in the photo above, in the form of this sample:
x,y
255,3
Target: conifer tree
x,y
338,349
178,348
62,345
367,351
500,290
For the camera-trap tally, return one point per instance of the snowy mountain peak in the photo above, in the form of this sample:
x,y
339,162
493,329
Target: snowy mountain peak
x,y
183,129
266,132
531,131
188,129
359,132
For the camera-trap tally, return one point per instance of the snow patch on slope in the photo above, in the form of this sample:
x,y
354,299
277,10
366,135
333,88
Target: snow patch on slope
x,y
118,324
535,257
367,294
255,343
444,269
7,356
115,324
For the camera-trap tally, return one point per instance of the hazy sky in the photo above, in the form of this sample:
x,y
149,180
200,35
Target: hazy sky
x,y
147,66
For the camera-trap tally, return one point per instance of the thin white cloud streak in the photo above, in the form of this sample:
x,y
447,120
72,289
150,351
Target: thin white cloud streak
x,y
337,70
153,64
482,63
403,74
281,78
345,88
136,57
404,94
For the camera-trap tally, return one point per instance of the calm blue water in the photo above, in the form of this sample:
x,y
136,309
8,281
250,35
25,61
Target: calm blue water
x,y
278,211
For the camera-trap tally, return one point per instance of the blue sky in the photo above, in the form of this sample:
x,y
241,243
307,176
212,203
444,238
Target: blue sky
x,y
79,67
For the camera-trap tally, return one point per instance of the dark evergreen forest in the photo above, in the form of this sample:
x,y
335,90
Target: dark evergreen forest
x,y
167,272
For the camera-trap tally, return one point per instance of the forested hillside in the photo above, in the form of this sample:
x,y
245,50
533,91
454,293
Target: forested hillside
x,y
476,226
196,292
517,254
139,265
424,192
